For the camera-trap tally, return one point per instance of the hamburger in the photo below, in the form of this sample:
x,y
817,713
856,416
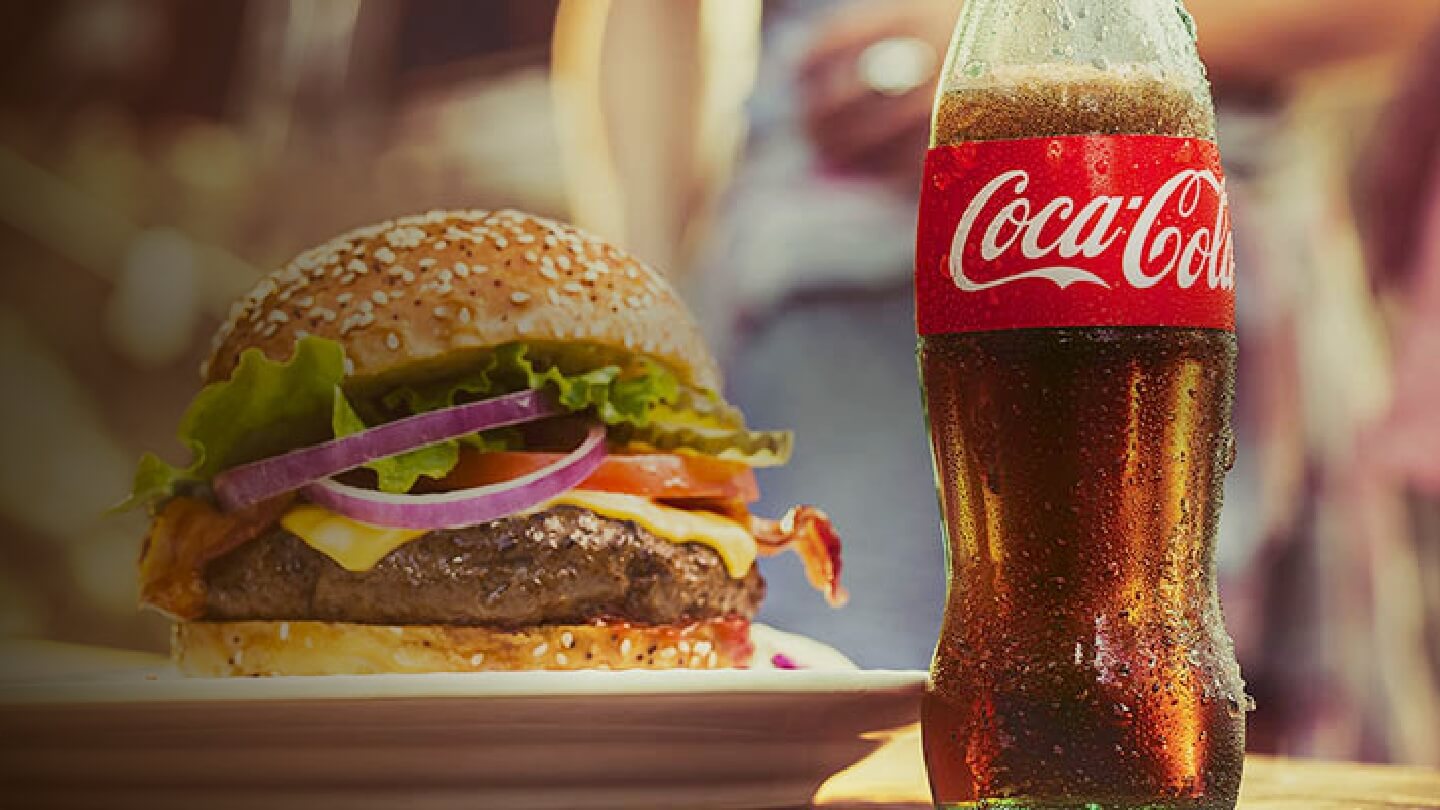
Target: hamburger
x,y
464,441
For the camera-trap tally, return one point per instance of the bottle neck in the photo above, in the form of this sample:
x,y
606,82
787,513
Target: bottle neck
x,y
1152,39
1038,68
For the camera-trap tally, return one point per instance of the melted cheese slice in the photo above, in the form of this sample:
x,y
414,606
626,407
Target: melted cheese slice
x,y
358,546
735,545
354,545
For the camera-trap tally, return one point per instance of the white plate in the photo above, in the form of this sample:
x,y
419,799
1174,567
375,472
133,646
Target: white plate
x,y
130,733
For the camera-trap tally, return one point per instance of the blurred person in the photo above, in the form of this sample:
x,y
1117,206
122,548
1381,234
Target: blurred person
x,y
806,276
1396,478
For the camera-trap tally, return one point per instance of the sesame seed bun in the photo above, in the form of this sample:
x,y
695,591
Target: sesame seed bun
x,y
421,287
259,648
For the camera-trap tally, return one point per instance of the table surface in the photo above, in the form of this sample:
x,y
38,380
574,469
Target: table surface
x,y
894,779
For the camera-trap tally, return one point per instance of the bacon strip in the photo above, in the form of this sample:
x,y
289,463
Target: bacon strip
x,y
809,531
186,535
806,528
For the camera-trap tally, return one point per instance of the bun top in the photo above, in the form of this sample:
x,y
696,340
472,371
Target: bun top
x,y
419,287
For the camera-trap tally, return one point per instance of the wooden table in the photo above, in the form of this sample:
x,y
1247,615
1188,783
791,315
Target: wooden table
x,y
894,779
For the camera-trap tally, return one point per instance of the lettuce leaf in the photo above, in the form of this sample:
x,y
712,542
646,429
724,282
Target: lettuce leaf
x,y
615,394
268,408
264,409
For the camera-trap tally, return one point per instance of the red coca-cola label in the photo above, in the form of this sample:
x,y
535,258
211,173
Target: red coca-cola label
x,y
1106,230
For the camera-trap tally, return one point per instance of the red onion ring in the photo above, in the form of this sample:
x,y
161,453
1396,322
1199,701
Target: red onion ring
x,y
249,484
466,507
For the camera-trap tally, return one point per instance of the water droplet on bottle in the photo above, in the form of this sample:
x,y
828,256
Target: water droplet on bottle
x,y
976,68
1064,15
1186,20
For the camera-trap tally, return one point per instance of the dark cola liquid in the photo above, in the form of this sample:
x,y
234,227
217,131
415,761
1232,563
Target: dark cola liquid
x,y
1083,661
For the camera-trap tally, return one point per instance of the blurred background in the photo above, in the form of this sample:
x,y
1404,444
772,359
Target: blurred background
x,y
157,155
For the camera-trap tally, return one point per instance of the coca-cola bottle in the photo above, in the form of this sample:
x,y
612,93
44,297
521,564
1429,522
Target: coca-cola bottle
x,y
1075,311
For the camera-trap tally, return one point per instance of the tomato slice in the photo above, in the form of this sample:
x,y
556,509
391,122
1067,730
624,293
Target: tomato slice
x,y
653,475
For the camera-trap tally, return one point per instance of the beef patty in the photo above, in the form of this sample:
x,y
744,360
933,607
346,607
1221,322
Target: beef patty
x,y
565,565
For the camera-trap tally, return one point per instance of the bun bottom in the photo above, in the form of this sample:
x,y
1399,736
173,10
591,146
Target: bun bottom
x,y
218,649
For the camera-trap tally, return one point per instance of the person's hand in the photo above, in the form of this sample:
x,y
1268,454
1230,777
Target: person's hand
x,y
868,83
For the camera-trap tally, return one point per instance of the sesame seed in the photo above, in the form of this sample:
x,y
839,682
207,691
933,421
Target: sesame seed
x,y
271,330
590,276
550,240
407,237
284,630
562,659
393,341
567,639
440,244
563,261
358,267
462,269
367,306
501,242
407,277
531,256
631,272
427,263
525,238
519,296
549,272
446,275
278,317
572,287
625,647
541,649
380,297
306,302
479,268
477,659
385,255
442,312
464,315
